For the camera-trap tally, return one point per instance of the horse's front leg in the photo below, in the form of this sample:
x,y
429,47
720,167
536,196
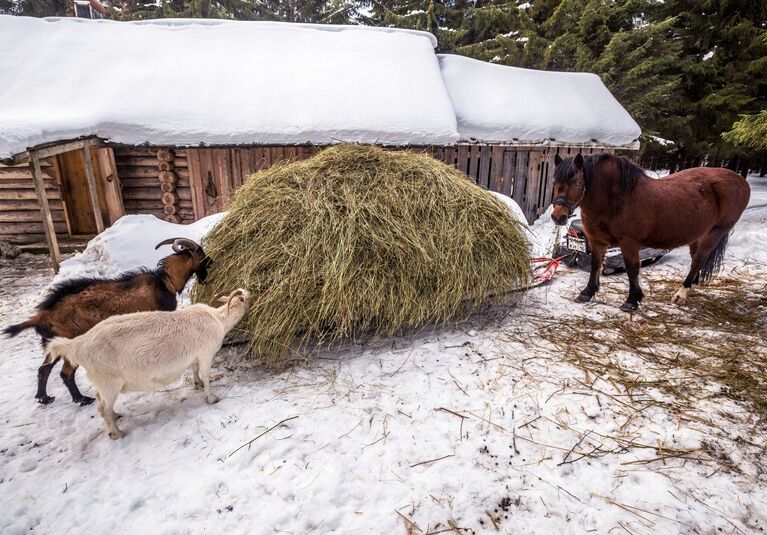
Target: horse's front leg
x,y
598,251
630,251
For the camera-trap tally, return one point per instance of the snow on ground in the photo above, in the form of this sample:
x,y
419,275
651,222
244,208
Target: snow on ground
x,y
474,429
123,246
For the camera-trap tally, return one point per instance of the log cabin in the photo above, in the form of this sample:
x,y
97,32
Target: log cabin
x,y
169,117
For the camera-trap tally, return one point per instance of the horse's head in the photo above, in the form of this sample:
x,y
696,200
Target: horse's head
x,y
569,187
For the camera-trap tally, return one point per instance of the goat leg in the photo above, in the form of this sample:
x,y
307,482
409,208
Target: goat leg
x,y
43,372
107,396
68,376
196,376
204,371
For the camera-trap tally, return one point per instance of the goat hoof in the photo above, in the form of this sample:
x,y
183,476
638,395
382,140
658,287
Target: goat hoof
x,y
198,385
117,415
583,298
629,307
83,401
212,399
45,400
116,435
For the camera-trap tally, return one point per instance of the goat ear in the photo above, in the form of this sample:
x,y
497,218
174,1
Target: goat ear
x,y
579,161
557,160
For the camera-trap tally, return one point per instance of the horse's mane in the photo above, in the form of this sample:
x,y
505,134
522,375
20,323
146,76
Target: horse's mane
x,y
629,171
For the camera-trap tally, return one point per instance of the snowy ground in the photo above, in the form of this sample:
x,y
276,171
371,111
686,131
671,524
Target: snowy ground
x,y
478,429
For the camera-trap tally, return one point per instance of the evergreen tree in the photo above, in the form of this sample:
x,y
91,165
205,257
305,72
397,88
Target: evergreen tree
x,y
723,71
442,19
496,31
305,11
639,67
37,8
750,131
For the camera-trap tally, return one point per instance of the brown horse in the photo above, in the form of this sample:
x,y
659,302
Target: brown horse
x,y
621,205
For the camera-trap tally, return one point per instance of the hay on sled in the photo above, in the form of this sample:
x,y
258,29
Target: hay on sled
x,y
361,239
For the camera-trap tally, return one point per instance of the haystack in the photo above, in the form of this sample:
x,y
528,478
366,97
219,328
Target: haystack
x,y
360,239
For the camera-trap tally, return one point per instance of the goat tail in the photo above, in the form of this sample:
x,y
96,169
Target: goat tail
x,y
13,330
59,347
715,260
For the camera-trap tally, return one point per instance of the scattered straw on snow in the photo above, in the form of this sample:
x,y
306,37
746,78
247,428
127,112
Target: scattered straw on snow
x,y
361,239
712,348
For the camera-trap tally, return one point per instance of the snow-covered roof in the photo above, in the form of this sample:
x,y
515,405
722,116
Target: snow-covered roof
x,y
186,82
495,103
214,82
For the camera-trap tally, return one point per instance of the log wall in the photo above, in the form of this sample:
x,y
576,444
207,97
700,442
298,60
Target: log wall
x,y
139,171
20,219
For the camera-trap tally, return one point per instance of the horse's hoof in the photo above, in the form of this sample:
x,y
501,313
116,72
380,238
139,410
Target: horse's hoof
x,y
116,435
583,298
680,298
45,400
629,307
83,401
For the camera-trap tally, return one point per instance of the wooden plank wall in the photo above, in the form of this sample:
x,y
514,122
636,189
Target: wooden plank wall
x,y
513,171
20,219
215,173
525,174
207,176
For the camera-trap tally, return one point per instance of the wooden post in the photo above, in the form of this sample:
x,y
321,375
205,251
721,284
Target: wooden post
x,y
92,191
45,211
105,160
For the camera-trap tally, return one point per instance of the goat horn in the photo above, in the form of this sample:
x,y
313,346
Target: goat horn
x,y
222,294
179,244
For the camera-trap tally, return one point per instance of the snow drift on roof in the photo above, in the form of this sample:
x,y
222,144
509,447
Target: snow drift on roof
x,y
494,103
186,82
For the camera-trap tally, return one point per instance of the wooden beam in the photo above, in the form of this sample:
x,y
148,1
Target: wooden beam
x,y
45,211
105,159
90,177
47,150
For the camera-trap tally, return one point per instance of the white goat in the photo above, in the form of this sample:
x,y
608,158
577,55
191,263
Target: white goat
x,y
149,350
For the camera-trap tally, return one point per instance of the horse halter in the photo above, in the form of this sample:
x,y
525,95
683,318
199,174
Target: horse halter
x,y
564,201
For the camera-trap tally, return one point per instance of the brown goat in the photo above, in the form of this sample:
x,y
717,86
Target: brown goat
x,y
72,307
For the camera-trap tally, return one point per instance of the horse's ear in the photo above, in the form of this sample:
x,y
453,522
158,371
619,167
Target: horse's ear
x,y
557,160
579,161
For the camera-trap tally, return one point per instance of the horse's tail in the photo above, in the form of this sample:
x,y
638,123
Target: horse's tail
x,y
12,330
715,260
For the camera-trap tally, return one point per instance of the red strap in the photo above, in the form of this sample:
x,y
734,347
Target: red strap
x,y
547,270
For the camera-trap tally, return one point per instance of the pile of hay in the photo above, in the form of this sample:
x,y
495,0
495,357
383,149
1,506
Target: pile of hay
x,y
360,239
